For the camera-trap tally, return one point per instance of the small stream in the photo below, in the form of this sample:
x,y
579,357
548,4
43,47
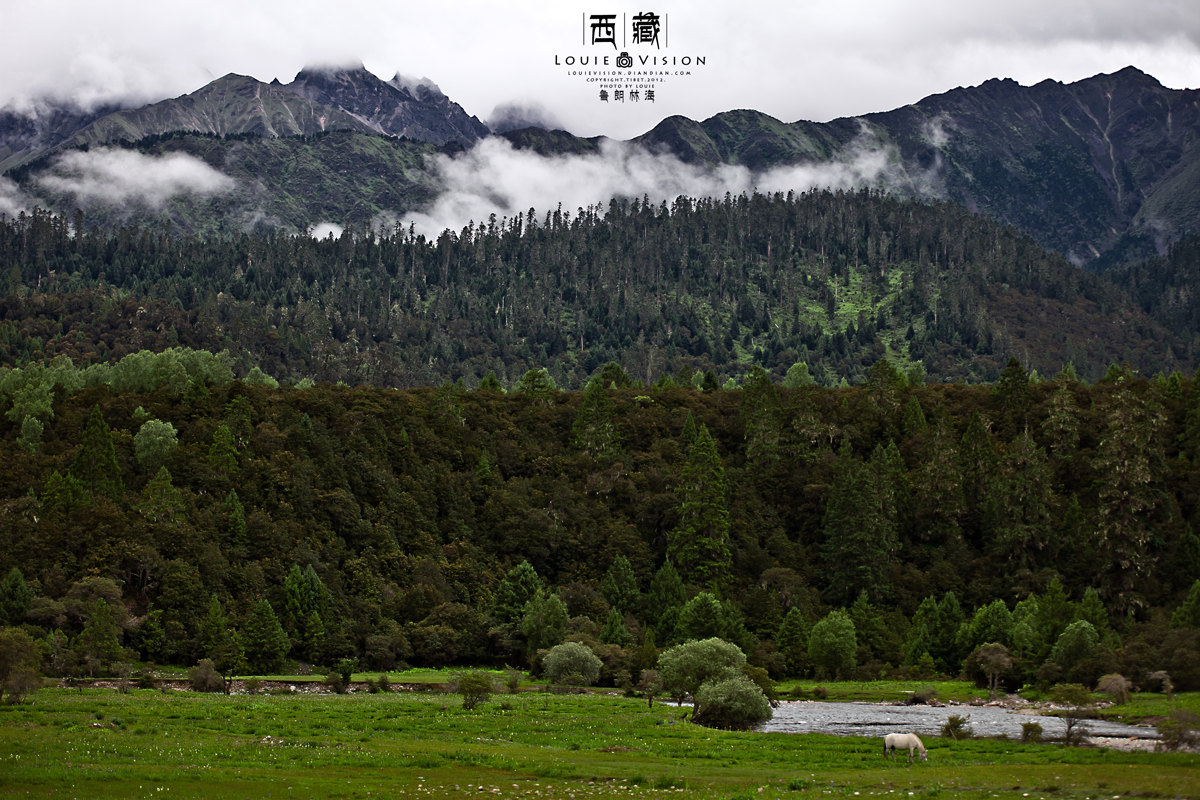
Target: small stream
x,y
875,719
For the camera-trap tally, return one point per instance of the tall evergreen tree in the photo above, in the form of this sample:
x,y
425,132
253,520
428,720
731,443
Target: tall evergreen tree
x,y
619,586
595,429
762,420
1019,513
665,598
544,622
266,643
95,463
14,598
860,531
699,543
98,644
517,588
1128,465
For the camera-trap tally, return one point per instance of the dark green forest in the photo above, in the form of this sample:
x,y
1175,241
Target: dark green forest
x,y
775,419
834,280
157,509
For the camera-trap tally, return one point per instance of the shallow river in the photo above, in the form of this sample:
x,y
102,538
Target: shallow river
x,y
871,719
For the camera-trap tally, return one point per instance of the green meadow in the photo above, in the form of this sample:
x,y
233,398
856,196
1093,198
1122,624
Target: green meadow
x,y
98,742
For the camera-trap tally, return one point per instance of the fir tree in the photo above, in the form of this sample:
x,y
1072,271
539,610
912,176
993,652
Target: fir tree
x,y
619,586
265,642
860,530
95,463
595,429
14,598
699,543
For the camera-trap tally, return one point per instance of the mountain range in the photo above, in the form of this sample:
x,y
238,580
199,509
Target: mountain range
x,y
1102,174
1103,170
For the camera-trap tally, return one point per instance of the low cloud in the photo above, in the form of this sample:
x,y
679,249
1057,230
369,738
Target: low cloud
x,y
514,116
325,229
12,200
121,177
495,178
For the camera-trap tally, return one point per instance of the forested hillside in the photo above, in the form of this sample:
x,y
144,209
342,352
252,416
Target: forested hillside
x,y
157,509
836,280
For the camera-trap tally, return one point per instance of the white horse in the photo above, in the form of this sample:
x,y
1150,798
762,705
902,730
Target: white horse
x,y
903,741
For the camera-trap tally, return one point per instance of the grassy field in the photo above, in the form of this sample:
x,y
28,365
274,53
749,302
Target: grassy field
x,y
151,743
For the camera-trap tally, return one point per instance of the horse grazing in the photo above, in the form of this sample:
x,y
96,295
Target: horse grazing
x,y
903,741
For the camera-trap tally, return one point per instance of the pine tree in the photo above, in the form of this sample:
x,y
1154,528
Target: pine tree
x,y
1129,464
222,454
699,543
1189,439
792,641
595,429
702,618
235,525
517,588
977,465
544,621
614,630
1018,515
98,644
762,420
922,633
1188,613
619,586
95,463
1061,426
160,502
14,598
937,481
265,642
860,530
1012,399
950,618
218,641
665,598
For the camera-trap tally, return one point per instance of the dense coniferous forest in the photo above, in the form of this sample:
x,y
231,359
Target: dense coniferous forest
x,y
835,280
759,417
158,509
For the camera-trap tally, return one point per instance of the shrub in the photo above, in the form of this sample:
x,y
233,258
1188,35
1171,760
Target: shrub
x,y
204,677
571,663
1074,698
957,727
20,664
1074,646
832,645
336,683
734,702
927,696
475,688
1178,731
345,668
253,685
382,685
686,667
1031,732
1160,681
764,683
1116,686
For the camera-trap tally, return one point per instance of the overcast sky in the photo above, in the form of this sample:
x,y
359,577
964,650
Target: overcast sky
x,y
793,59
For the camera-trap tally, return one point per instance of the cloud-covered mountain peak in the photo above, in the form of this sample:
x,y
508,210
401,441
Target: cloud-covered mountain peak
x,y
402,106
